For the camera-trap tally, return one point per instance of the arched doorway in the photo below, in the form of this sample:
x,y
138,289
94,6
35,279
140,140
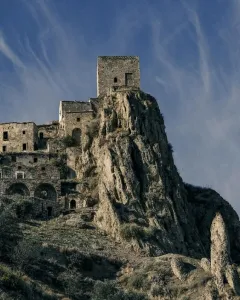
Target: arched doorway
x,y
76,135
18,189
72,204
46,191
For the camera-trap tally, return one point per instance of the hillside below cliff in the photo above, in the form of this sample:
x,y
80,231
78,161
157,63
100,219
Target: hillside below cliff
x,y
144,230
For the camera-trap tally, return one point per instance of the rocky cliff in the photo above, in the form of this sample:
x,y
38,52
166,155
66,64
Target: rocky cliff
x,y
142,234
142,199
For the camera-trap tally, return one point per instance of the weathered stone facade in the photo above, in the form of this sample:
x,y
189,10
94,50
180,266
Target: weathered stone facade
x,y
18,137
117,71
47,133
31,156
34,176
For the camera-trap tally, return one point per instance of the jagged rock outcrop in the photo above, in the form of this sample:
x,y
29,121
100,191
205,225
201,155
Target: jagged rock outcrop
x,y
205,203
126,160
138,181
220,250
233,278
177,266
205,264
221,266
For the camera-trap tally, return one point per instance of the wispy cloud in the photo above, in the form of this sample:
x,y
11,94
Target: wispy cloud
x,y
192,70
7,51
199,94
45,70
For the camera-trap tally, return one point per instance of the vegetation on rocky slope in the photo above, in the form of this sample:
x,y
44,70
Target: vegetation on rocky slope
x,y
144,233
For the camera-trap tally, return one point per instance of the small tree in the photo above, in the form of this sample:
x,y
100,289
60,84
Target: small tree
x,y
69,141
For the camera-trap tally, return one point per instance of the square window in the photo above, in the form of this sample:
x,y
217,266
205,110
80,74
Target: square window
x,y
19,167
4,148
23,132
35,159
20,175
24,147
128,79
43,168
5,135
78,119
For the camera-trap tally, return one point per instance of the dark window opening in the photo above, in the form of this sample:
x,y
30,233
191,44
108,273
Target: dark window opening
x,y
43,168
24,147
14,159
115,80
128,79
19,167
72,204
4,148
20,175
78,119
41,135
5,135
49,211
23,132
35,159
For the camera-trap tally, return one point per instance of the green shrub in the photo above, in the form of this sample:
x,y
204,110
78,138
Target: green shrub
x,y
69,141
71,281
108,291
130,231
133,231
61,164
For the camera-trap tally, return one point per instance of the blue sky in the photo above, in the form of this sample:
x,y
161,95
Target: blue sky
x,y
189,55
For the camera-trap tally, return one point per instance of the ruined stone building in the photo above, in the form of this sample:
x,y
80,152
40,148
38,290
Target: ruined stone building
x,y
34,160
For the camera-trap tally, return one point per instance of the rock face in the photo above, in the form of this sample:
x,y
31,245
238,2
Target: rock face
x,y
221,266
126,161
139,183
205,203
220,250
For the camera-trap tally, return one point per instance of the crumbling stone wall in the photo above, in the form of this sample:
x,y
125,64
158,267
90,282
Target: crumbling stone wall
x,y
47,132
33,175
73,115
117,71
26,158
18,137
77,121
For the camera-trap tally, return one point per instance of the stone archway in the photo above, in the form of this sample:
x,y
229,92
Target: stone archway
x,y
18,189
46,191
76,135
73,204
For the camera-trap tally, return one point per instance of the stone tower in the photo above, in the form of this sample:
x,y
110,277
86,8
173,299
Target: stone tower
x,y
117,71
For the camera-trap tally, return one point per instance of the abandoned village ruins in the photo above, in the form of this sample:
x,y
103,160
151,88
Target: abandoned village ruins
x,y
39,161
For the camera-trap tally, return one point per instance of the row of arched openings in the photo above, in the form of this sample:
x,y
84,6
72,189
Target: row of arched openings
x,y
44,191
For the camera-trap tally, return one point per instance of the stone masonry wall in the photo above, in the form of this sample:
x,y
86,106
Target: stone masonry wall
x,y
76,120
47,132
27,159
14,135
112,70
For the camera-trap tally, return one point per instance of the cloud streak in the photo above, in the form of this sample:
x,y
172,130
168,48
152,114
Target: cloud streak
x,y
202,85
192,70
